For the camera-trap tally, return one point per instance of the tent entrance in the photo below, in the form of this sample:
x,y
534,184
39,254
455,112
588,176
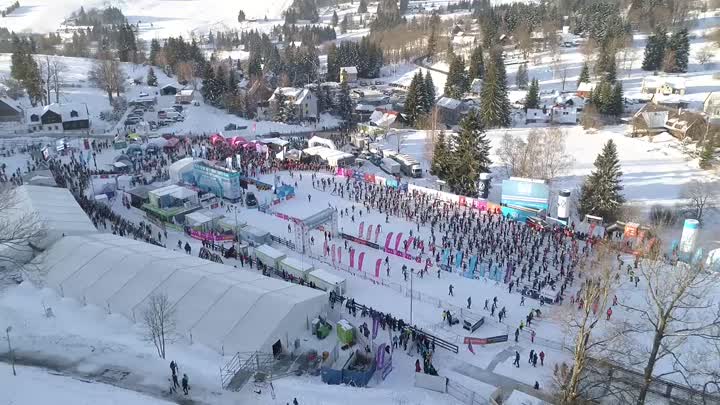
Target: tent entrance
x,y
277,348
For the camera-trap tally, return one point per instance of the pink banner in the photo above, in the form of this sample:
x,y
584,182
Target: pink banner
x,y
360,232
409,243
352,258
387,243
377,233
398,238
339,253
377,268
360,260
333,253
369,232
210,236
325,248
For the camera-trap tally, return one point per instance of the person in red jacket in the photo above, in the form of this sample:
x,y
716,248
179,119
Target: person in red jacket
x,y
418,369
609,313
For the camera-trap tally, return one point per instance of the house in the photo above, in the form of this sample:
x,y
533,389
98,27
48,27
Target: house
x,y
535,115
711,106
185,96
564,114
673,101
387,119
348,74
170,89
570,100
363,112
665,85
10,110
58,117
303,100
649,120
686,125
449,110
584,89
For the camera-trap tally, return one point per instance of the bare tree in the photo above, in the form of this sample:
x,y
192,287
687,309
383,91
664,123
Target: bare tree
x,y
699,194
705,54
159,321
678,311
541,156
107,75
584,319
58,69
20,229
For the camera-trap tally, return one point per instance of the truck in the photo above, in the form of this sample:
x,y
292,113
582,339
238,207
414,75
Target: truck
x,y
390,166
408,166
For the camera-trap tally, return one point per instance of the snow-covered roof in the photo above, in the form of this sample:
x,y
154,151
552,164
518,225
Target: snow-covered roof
x,y
383,118
328,276
187,92
349,69
218,306
175,191
669,99
55,209
68,111
654,82
586,87
364,107
201,217
175,85
654,119
270,252
290,92
449,103
12,104
535,112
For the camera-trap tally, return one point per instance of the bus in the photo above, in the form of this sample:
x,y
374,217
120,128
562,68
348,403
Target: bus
x,y
409,166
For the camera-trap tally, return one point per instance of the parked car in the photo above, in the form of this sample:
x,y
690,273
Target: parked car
x,y
251,200
177,108
231,127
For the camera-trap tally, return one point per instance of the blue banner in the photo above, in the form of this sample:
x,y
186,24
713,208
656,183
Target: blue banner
x,y
445,257
458,259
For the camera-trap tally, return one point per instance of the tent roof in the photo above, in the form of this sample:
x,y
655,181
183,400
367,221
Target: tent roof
x,y
221,306
57,209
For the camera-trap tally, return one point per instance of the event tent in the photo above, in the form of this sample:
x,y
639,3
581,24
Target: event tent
x,y
224,308
55,208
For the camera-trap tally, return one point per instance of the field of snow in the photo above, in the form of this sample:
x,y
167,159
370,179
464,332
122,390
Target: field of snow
x,y
157,18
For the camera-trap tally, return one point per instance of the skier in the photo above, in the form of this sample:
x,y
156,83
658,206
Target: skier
x,y
469,301
295,401
418,369
517,334
450,290
309,197
542,358
486,303
522,301
609,313
175,383
532,336
173,367
530,358
185,385
516,363
534,360
537,385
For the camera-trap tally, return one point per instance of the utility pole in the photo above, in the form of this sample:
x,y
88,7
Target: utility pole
x,y
10,351
411,296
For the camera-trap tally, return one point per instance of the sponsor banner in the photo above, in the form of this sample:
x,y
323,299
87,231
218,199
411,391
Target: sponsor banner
x,y
359,241
485,341
210,236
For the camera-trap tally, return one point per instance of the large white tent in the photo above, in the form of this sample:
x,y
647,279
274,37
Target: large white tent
x,y
54,208
227,309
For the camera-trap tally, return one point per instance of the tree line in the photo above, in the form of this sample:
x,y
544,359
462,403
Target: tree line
x,y
366,55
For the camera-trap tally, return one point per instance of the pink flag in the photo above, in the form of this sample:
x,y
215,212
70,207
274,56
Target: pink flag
x,y
352,257
360,260
333,253
362,226
339,253
377,268
325,248
369,232
409,243
398,238
387,242
377,233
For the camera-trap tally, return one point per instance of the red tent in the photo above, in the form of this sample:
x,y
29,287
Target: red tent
x,y
238,141
172,143
216,138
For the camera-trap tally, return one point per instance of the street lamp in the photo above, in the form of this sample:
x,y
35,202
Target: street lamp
x,y
10,352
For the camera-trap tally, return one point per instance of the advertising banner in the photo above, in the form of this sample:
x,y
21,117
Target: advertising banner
x,y
369,232
362,226
388,249
378,263
352,258
361,259
485,341
377,233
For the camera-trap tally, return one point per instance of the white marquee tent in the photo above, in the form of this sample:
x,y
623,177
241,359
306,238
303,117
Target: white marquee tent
x,y
227,309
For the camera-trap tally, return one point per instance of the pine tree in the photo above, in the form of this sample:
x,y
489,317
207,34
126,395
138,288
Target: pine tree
x,y
151,78
521,79
706,155
456,84
679,47
601,192
611,69
584,74
345,106
429,91
362,8
655,50
616,104
440,157
209,87
154,51
494,103
280,110
241,16
411,100
334,20
432,43
344,24
470,157
476,70
532,100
